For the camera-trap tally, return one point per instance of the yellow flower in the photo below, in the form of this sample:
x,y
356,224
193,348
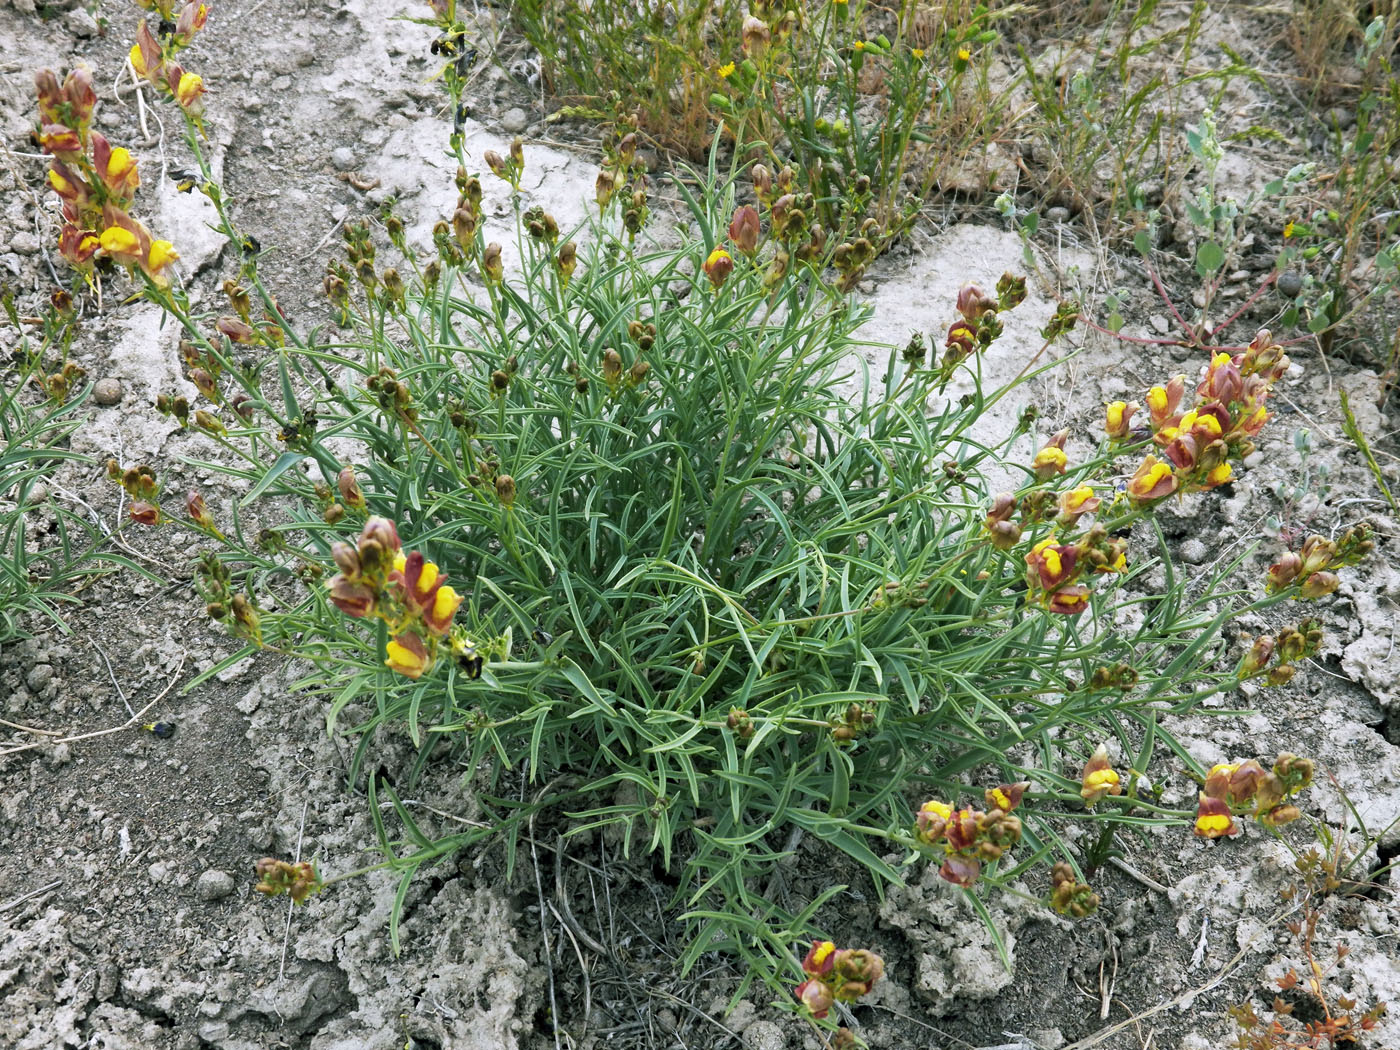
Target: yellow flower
x,y
407,655
964,55
400,561
941,810
1288,228
120,162
138,61
859,45
162,254
726,70
917,53
189,89
1220,474
118,240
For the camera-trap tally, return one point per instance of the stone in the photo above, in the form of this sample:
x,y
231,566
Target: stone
x,y
514,120
764,1035
214,885
1290,283
343,158
24,242
39,676
1195,552
1058,213
1159,324
107,391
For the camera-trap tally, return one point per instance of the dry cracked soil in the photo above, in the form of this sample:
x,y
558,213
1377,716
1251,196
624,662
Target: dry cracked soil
x,y
127,915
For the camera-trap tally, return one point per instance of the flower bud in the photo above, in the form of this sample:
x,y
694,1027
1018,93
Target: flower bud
x,y
350,493
756,37
197,510
346,559
815,996
744,229
505,489
246,618
1320,584
491,266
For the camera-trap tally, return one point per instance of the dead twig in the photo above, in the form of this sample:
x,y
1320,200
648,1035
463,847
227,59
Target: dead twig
x,y
30,896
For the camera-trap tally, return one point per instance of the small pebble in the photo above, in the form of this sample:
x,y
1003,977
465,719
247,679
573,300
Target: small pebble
x,y
1057,214
1194,552
39,676
514,120
107,391
1159,324
214,885
764,1035
867,287
24,242
1290,283
343,158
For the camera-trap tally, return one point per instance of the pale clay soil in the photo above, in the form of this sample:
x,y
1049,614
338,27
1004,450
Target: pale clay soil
x,y
147,933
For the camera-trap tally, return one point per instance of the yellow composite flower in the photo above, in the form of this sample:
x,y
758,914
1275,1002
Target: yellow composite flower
x,y
726,70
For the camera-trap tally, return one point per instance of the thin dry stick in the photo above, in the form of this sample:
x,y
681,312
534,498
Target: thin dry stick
x,y
31,729
130,723
582,969
31,894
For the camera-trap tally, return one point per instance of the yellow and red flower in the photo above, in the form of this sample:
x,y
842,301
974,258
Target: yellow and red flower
x,y
1099,779
1153,480
1213,818
717,267
407,655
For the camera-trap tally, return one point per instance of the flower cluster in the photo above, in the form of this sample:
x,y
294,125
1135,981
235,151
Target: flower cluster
x,y
836,975
1197,445
406,591
971,836
152,58
1054,570
980,324
1283,650
95,182
276,877
1068,895
1247,787
140,484
1311,569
